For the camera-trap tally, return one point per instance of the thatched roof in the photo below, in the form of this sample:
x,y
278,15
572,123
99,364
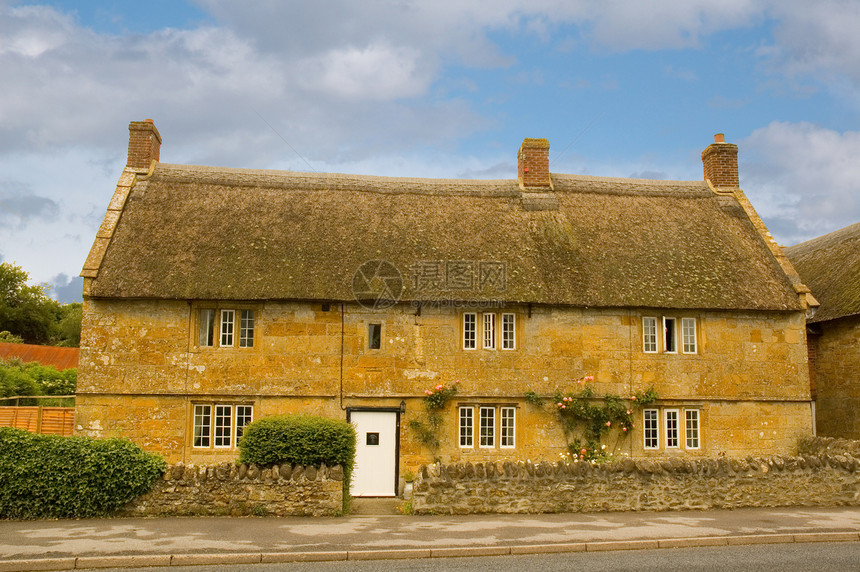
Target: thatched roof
x,y
830,266
190,232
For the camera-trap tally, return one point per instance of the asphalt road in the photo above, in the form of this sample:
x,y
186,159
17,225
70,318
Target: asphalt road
x,y
832,557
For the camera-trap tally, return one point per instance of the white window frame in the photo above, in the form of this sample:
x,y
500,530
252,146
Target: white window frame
x,y
201,436
688,336
246,328
466,424
507,427
672,428
228,328
220,425
206,327
487,427
509,331
649,335
470,331
489,330
692,429
651,428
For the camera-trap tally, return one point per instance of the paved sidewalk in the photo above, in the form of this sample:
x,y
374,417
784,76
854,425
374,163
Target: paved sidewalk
x,y
64,545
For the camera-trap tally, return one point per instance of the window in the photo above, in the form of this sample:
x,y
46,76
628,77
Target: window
x,y
509,336
202,425
488,427
246,329
692,417
669,341
229,321
220,425
652,433
207,328
649,335
467,427
670,335
223,426
688,335
672,429
374,336
508,427
470,326
489,331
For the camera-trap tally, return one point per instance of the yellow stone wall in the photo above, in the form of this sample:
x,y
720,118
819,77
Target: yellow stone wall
x,y
141,372
837,373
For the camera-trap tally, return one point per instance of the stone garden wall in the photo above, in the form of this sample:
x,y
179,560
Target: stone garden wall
x,y
826,474
236,490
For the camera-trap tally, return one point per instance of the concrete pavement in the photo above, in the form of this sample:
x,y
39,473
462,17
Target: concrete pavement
x,y
101,543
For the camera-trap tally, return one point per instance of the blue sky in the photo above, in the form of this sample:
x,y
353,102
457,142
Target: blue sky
x,y
435,89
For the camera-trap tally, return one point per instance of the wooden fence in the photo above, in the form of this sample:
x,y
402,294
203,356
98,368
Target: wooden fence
x,y
40,419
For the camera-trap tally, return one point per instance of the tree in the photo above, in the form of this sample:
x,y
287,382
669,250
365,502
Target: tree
x,y
27,312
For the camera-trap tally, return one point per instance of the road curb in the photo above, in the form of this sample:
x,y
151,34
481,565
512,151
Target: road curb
x,y
147,560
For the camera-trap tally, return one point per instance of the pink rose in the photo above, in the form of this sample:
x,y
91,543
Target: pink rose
x,y
609,423
589,378
428,392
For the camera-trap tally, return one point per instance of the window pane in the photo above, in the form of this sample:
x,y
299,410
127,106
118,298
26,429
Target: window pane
x,y
467,427
509,340
692,416
223,425
244,416
649,334
202,425
227,325
670,335
470,325
688,327
246,329
651,429
206,328
488,427
489,331
672,428
374,336
508,427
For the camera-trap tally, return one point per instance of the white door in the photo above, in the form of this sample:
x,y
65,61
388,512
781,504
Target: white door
x,y
375,453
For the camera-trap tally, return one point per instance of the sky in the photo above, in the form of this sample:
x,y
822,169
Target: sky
x,y
422,89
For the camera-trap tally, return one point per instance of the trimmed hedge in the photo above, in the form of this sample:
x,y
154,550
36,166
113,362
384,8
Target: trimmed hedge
x,y
299,440
48,476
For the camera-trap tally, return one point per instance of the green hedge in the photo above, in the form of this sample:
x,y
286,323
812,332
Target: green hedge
x,y
299,440
48,476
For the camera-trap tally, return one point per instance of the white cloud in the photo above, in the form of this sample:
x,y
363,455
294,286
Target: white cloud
x,y
804,178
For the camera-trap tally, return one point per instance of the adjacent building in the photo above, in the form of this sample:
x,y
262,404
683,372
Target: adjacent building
x,y
830,265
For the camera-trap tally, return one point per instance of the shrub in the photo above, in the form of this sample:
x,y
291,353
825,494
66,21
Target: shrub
x,y
48,476
298,440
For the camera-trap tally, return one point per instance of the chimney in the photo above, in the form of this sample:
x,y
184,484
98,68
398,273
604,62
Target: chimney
x,y
720,161
533,164
144,144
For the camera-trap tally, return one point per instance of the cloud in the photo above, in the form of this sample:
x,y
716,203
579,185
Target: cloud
x,y
66,289
18,205
803,177
817,39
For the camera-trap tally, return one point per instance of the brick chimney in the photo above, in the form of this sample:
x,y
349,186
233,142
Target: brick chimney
x,y
533,164
144,144
720,161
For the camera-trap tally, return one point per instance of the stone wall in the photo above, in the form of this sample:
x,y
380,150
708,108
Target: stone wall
x,y
238,490
820,478
141,374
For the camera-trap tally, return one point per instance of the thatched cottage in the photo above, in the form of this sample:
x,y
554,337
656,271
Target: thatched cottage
x,y
216,296
830,265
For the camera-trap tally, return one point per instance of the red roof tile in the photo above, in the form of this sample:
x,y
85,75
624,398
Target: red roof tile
x,y
60,358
